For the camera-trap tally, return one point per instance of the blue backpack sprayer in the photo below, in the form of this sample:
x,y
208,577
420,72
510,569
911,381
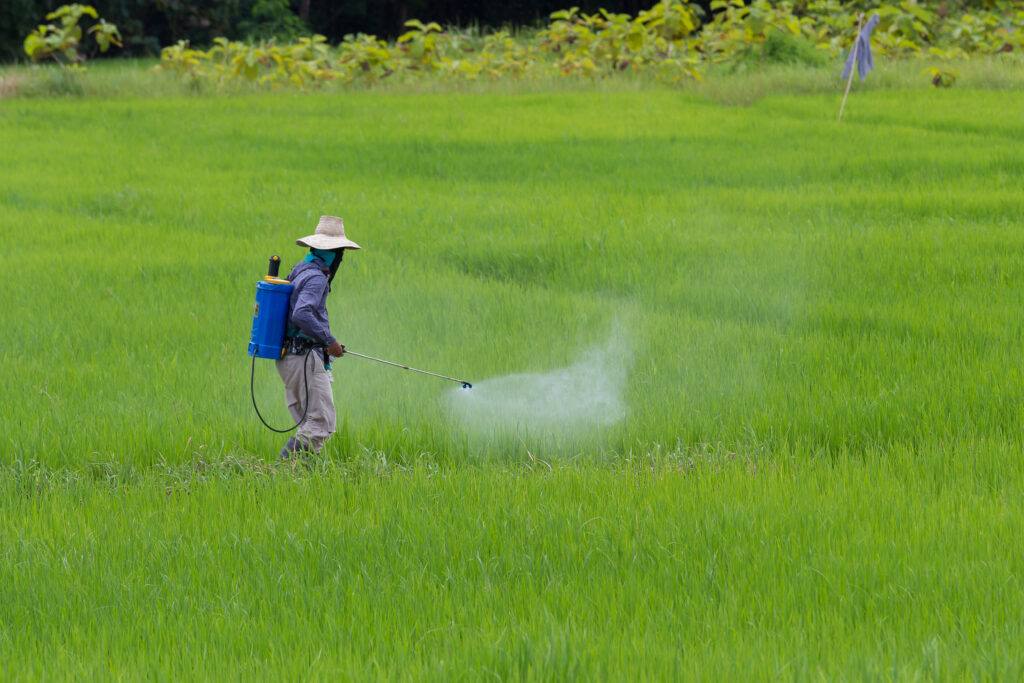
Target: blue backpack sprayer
x,y
269,323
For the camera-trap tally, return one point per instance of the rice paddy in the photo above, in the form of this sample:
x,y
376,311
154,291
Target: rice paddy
x,y
751,394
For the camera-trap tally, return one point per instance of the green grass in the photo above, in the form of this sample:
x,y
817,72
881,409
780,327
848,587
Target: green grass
x,y
817,475
856,569
779,278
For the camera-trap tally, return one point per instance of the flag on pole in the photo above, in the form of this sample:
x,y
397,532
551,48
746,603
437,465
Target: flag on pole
x,y
861,51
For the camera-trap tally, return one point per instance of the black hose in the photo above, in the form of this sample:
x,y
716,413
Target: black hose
x,y
305,382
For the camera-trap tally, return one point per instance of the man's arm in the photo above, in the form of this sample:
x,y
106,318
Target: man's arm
x,y
304,313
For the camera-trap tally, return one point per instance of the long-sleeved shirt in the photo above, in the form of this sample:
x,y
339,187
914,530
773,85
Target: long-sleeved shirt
x,y
307,308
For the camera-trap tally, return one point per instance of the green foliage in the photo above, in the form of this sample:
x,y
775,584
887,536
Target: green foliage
x,y
272,19
903,28
366,58
787,48
420,45
302,64
61,41
673,41
737,27
942,78
602,43
147,25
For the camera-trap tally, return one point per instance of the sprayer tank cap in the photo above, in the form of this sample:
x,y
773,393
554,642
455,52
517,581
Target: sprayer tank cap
x,y
330,234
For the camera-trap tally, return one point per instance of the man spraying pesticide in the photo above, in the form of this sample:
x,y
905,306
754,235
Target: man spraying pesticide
x,y
290,325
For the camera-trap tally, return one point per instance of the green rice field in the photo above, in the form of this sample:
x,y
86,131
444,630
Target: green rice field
x,y
748,395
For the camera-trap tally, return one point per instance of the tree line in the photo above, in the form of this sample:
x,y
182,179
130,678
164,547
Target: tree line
x,y
148,25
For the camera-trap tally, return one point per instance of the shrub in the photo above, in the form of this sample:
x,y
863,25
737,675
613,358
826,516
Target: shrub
x,y
671,42
786,48
61,41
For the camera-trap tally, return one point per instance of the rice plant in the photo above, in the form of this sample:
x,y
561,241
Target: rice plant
x,y
812,334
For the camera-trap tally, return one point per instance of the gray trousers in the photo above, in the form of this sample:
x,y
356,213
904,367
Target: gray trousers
x,y
321,419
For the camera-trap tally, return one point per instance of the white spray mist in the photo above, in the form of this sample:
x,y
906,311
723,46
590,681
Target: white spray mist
x,y
588,393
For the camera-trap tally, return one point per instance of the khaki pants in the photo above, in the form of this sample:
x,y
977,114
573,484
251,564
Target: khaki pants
x,y
321,419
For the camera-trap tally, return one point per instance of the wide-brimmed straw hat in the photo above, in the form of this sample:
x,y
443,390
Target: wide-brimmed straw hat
x,y
330,234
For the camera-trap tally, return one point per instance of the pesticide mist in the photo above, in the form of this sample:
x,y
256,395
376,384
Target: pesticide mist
x,y
587,393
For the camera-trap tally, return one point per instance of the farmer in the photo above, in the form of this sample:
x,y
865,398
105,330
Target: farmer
x,y
308,340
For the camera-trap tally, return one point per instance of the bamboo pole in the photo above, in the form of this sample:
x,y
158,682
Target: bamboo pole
x,y
853,64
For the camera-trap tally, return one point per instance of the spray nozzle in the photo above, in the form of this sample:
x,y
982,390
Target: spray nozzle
x,y
467,385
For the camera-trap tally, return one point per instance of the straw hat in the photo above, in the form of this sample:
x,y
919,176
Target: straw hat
x,y
330,234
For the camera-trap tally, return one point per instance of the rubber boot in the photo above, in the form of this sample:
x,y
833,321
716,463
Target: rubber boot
x,y
295,447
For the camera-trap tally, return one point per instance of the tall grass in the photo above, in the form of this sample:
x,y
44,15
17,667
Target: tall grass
x,y
816,474
783,279
740,83
871,566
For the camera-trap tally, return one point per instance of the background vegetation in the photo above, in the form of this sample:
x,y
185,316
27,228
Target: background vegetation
x,y
668,42
675,43
149,25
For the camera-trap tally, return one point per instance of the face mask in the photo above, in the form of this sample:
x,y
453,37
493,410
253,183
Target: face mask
x,y
326,256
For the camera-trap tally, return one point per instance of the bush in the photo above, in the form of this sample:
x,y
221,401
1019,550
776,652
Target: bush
x,y
272,19
783,48
61,41
673,41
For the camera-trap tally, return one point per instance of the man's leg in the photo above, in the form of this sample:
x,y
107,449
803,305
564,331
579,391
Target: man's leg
x,y
320,418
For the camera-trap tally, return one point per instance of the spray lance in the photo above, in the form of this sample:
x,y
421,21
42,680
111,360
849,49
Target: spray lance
x,y
464,383
269,323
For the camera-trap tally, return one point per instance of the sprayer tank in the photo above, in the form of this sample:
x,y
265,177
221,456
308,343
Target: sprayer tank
x,y
270,318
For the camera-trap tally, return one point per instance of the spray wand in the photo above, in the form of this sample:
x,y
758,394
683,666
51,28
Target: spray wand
x,y
465,384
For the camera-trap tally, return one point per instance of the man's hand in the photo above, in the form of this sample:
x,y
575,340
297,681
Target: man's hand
x,y
336,350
